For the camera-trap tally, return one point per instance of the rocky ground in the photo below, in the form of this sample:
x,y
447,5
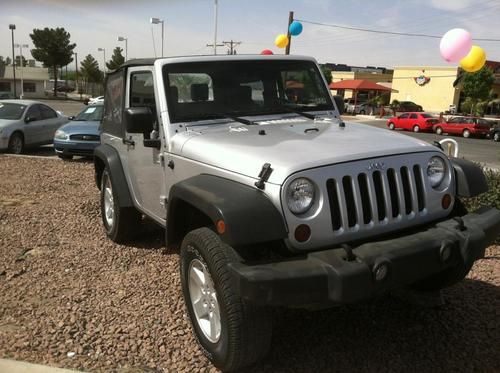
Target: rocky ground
x,y
69,297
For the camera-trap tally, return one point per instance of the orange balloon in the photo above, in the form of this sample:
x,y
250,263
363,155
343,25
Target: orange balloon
x,y
281,41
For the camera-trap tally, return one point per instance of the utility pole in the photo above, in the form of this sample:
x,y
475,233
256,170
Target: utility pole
x,y
215,28
218,45
290,20
231,45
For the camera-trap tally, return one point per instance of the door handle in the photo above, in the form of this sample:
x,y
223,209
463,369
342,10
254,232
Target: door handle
x,y
128,142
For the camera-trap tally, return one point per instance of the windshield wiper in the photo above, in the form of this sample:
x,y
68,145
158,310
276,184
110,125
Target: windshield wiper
x,y
241,120
304,114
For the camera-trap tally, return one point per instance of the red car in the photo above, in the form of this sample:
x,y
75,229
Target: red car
x,y
413,121
465,126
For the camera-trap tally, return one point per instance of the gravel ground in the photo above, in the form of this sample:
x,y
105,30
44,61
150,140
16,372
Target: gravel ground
x,y
71,298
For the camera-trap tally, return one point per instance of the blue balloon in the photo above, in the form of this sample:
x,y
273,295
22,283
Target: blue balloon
x,y
295,28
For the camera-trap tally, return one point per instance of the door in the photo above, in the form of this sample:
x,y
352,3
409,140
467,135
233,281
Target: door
x,y
34,126
403,121
452,127
51,122
145,171
413,121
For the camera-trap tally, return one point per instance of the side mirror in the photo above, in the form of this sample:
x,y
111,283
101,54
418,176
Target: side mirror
x,y
339,101
29,119
139,120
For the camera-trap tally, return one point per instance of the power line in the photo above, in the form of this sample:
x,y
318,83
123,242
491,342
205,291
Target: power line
x,y
384,32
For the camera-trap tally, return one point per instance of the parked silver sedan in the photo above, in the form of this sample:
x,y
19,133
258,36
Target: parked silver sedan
x,y
25,123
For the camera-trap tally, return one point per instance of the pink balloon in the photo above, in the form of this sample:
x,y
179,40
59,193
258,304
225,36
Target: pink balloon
x,y
455,44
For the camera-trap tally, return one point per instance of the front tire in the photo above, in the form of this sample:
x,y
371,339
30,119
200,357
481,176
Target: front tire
x,y
121,223
16,143
232,333
439,131
466,133
392,126
416,128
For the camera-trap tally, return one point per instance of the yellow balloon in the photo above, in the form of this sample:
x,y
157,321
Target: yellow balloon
x,y
281,41
474,61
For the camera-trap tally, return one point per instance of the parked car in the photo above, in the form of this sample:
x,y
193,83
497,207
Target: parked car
x,y
465,126
352,108
408,106
95,100
495,133
25,123
81,135
6,95
415,122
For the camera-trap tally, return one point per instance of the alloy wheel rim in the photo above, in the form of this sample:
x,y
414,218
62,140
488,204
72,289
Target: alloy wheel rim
x,y
17,144
109,204
204,301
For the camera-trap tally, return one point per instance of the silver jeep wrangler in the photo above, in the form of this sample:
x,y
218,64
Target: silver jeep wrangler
x,y
272,198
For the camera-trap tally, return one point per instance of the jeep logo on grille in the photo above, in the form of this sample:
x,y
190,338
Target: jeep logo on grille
x,y
376,166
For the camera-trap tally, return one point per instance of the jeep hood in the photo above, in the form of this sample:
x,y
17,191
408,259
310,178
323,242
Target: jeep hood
x,y
289,145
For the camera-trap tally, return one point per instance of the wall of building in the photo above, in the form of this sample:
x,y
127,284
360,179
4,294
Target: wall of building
x,y
338,76
435,96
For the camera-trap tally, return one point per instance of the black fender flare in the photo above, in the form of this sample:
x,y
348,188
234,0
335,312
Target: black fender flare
x,y
470,178
249,215
105,156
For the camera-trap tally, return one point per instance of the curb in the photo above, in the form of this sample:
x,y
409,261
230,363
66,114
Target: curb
x,y
14,366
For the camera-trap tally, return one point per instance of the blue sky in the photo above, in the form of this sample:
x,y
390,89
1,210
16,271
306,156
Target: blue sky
x,y
189,26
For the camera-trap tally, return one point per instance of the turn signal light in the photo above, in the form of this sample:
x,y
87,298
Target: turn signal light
x,y
302,233
221,226
446,201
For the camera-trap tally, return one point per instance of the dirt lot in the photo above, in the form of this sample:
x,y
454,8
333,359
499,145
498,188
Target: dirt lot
x,y
69,297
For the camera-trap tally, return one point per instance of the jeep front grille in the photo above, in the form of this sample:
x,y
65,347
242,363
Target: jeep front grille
x,y
377,197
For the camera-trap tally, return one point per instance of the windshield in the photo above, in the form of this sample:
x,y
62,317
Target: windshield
x,y
211,90
11,111
92,113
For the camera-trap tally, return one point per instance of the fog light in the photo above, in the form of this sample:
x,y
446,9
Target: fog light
x,y
380,271
302,233
446,201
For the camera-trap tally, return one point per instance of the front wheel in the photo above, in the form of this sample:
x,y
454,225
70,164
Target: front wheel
x,y
232,333
392,126
121,223
416,128
16,143
466,133
439,131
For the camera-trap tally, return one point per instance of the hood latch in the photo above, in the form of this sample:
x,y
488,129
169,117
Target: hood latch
x,y
264,175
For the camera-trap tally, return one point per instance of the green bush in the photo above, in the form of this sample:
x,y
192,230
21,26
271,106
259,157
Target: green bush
x,y
490,198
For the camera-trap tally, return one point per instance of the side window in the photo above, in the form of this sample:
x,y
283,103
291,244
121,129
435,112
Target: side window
x,y
47,113
113,105
34,112
413,116
455,120
404,116
142,89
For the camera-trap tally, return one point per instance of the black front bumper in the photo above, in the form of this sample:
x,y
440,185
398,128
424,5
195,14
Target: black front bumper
x,y
326,277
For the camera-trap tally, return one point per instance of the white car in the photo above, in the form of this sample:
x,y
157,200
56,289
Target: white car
x,y
96,100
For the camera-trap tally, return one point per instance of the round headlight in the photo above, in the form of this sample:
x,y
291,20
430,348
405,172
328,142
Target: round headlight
x,y
61,135
300,195
436,171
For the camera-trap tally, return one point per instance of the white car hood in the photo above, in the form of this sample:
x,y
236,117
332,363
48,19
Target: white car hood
x,y
289,145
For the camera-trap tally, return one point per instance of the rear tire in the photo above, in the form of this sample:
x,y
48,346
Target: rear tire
x,y
121,223
439,131
466,133
16,143
416,128
231,332
392,126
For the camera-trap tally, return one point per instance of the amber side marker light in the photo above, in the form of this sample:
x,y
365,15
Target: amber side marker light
x,y
221,226
302,233
446,201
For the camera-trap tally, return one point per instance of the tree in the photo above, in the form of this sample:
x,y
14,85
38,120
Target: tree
x,y
53,49
117,59
476,87
327,73
18,61
90,70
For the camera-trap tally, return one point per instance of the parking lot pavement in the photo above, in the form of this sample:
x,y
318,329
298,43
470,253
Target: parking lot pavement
x,y
484,151
13,366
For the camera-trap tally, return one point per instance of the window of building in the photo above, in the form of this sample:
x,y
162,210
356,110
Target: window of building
x,y
29,87
4,86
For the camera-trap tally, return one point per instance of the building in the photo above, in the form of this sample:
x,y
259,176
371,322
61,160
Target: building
x,y
34,81
373,74
435,88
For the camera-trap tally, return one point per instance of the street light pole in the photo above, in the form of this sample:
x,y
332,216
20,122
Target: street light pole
x,y
103,50
21,67
215,27
12,27
121,38
155,21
